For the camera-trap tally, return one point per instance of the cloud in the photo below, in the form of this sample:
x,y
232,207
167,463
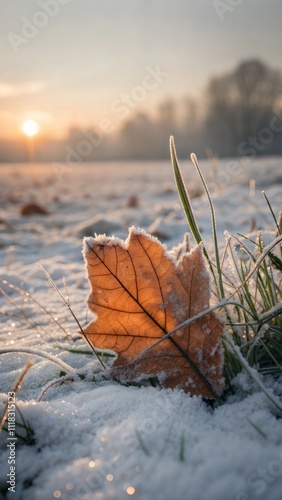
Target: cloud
x,y
20,89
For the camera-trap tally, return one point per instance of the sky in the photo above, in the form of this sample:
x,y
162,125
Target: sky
x,y
88,62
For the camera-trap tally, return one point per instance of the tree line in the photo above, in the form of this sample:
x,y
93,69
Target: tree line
x,y
239,114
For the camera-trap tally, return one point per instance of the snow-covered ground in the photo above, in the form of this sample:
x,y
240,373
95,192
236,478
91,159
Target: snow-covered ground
x,y
99,439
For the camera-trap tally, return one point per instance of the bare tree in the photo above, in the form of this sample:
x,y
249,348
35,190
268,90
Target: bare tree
x,y
241,103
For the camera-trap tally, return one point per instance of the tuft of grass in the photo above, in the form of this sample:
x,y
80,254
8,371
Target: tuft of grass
x,y
25,432
251,299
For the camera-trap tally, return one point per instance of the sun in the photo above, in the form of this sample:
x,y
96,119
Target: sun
x,y
30,127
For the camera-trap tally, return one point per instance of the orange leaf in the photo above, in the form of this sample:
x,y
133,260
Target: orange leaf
x,y
140,293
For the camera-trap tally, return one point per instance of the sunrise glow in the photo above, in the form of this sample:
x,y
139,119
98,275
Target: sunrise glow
x,y
30,128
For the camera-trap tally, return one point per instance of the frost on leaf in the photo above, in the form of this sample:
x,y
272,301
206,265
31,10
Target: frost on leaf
x,y
139,292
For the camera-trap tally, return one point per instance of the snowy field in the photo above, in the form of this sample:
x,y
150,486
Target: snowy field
x,y
99,439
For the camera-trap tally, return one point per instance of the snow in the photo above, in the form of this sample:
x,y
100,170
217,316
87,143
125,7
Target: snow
x,y
94,438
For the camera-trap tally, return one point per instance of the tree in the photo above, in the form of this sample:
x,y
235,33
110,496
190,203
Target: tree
x,y
241,103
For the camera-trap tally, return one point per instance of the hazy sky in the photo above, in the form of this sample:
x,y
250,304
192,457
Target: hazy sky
x,y
87,56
